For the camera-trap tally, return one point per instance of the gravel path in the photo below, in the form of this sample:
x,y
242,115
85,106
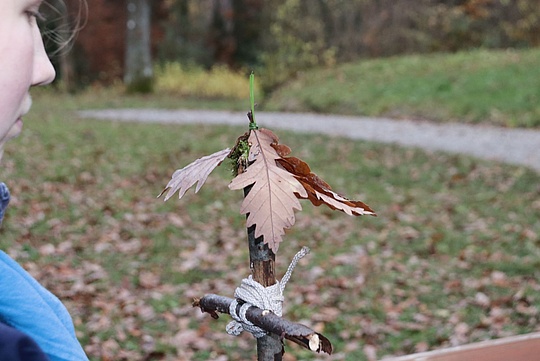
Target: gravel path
x,y
514,146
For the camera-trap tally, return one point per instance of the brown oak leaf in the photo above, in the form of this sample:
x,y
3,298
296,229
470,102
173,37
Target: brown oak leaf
x,y
318,191
195,172
272,199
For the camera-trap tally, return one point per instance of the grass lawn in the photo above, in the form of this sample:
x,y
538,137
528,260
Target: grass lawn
x,y
497,87
452,258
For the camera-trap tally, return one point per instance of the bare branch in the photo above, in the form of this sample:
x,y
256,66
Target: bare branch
x,y
270,322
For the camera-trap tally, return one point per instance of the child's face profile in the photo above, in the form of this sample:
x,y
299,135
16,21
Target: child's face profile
x,y
23,63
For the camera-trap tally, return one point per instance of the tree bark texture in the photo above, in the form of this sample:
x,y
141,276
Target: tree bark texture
x,y
262,264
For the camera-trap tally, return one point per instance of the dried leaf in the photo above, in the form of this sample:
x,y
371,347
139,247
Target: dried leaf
x,y
195,172
271,202
319,192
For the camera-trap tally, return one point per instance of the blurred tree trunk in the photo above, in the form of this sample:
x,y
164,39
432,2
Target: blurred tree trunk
x,y
138,74
326,18
220,39
65,58
249,22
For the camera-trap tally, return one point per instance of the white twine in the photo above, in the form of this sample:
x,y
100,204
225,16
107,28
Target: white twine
x,y
252,293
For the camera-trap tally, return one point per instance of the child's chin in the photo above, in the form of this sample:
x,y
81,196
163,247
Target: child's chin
x,y
16,129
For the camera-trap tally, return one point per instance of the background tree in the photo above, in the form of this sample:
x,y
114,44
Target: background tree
x,y
138,62
282,37
250,20
220,39
184,27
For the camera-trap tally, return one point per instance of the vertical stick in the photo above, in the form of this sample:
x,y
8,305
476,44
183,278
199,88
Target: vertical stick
x,y
262,264
262,259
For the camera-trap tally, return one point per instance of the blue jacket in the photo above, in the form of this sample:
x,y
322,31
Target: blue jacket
x,y
28,307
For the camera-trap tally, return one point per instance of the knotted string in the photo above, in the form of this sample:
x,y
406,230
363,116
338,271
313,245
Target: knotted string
x,y
252,293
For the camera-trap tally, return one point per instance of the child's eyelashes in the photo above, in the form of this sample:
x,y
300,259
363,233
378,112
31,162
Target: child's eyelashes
x,y
34,15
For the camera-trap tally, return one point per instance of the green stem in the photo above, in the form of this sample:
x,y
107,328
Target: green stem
x,y
252,125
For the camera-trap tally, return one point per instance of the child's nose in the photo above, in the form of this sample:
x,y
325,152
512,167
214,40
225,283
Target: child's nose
x,y
44,72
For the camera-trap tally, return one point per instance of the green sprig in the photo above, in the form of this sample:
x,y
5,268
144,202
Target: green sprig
x,y
252,124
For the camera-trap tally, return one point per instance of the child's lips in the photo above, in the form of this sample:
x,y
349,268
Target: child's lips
x,y
19,122
27,104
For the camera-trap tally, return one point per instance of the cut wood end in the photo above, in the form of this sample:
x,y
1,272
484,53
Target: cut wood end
x,y
314,342
317,343
197,303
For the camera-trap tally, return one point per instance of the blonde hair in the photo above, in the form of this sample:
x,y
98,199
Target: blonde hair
x,y
60,25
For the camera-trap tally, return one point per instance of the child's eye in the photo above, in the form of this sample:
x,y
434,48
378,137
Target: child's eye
x,y
34,15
